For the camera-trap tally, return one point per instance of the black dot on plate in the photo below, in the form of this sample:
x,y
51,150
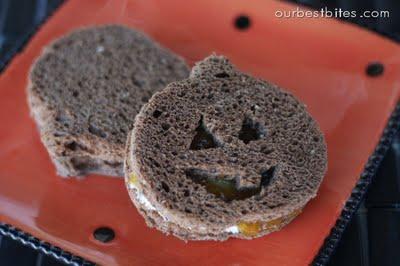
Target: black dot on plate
x,y
375,69
104,234
242,22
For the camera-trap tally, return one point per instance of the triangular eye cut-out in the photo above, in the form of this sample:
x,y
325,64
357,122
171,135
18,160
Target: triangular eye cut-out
x,y
203,138
250,131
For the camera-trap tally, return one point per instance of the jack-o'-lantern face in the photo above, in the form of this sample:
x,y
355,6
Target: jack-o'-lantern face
x,y
221,138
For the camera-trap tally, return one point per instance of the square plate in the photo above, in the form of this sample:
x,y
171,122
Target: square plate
x,y
321,61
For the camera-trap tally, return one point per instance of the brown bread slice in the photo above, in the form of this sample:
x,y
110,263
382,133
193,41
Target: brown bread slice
x,y
86,89
222,127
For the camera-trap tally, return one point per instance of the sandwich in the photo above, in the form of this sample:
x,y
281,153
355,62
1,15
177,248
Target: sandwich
x,y
86,89
223,154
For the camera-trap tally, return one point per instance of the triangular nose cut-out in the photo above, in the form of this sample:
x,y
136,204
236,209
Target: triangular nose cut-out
x,y
266,176
250,131
203,138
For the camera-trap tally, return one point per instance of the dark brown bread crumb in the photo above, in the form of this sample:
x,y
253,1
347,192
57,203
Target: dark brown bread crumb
x,y
221,124
86,89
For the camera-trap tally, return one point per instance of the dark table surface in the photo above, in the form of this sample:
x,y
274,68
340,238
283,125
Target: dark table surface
x,y
372,237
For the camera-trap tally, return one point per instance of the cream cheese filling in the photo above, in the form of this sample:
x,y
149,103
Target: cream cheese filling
x,y
234,229
145,202
142,199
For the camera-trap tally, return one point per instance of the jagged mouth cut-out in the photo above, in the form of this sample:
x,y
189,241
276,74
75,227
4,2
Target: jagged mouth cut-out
x,y
226,186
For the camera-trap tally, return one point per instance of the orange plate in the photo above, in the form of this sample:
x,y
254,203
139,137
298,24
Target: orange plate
x,y
321,61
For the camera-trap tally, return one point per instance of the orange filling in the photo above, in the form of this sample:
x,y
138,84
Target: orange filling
x,y
251,229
